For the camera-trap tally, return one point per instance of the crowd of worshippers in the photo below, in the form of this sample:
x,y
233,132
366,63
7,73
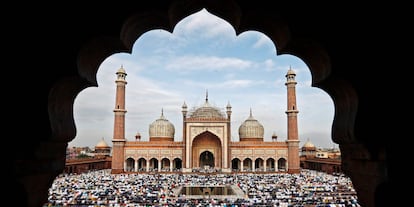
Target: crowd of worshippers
x,y
101,188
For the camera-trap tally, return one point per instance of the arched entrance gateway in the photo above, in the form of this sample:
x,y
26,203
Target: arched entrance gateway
x,y
206,132
206,160
206,151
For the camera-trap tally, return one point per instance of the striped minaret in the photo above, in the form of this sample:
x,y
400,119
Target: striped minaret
x,y
118,140
292,123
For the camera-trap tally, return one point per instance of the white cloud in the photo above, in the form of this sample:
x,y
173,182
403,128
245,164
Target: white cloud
x,y
236,84
269,65
207,63
261,41
228,84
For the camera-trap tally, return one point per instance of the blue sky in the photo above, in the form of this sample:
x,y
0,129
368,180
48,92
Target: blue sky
x,y
202,54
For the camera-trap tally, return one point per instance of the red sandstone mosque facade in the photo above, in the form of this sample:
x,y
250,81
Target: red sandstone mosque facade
x,y
206,141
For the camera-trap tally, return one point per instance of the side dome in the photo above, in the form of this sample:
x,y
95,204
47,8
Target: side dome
x,y
161,128
308,146
251,129
102,148
102,144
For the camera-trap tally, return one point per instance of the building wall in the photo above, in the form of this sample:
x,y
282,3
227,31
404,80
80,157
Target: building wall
x,y
87,164
327,165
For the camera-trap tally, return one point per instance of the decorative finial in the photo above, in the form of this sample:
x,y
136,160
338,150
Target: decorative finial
x,y
162,114
228,105
206,95
251,112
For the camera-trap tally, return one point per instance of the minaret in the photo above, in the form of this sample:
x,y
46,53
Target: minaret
x,y
119,123
292,123
184,111
228,112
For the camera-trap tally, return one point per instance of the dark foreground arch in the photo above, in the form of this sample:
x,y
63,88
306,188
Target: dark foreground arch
x,y
64,51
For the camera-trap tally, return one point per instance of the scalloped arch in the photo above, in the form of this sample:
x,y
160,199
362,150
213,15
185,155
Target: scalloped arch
x,y
96,51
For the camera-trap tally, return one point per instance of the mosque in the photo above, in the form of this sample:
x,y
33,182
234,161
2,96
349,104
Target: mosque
x,y
206,144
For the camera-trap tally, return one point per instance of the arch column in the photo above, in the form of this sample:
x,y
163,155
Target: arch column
x,y
276,165
241,165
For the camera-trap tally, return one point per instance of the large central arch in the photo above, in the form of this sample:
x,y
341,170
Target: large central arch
x,y
204,144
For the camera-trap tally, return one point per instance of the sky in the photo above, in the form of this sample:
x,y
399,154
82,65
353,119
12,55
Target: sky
x,y
203,55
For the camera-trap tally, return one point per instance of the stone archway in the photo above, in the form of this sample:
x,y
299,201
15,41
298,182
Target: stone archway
x,y
206,160
208,144
281,164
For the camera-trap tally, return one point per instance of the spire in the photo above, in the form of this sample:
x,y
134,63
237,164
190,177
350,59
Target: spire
x,y
206,104
206,96
184,109
228,105
121,69
290,73
251,115
228,110
121,74
162,113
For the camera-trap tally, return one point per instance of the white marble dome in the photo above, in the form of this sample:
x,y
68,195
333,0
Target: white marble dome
x,y
207,111
161,128
251,128
309,145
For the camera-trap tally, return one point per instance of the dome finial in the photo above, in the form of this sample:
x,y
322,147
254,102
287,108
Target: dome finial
x,y
251,128
206,95
162,113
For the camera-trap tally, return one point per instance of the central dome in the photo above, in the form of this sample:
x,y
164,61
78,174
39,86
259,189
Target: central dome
x,y
207,111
